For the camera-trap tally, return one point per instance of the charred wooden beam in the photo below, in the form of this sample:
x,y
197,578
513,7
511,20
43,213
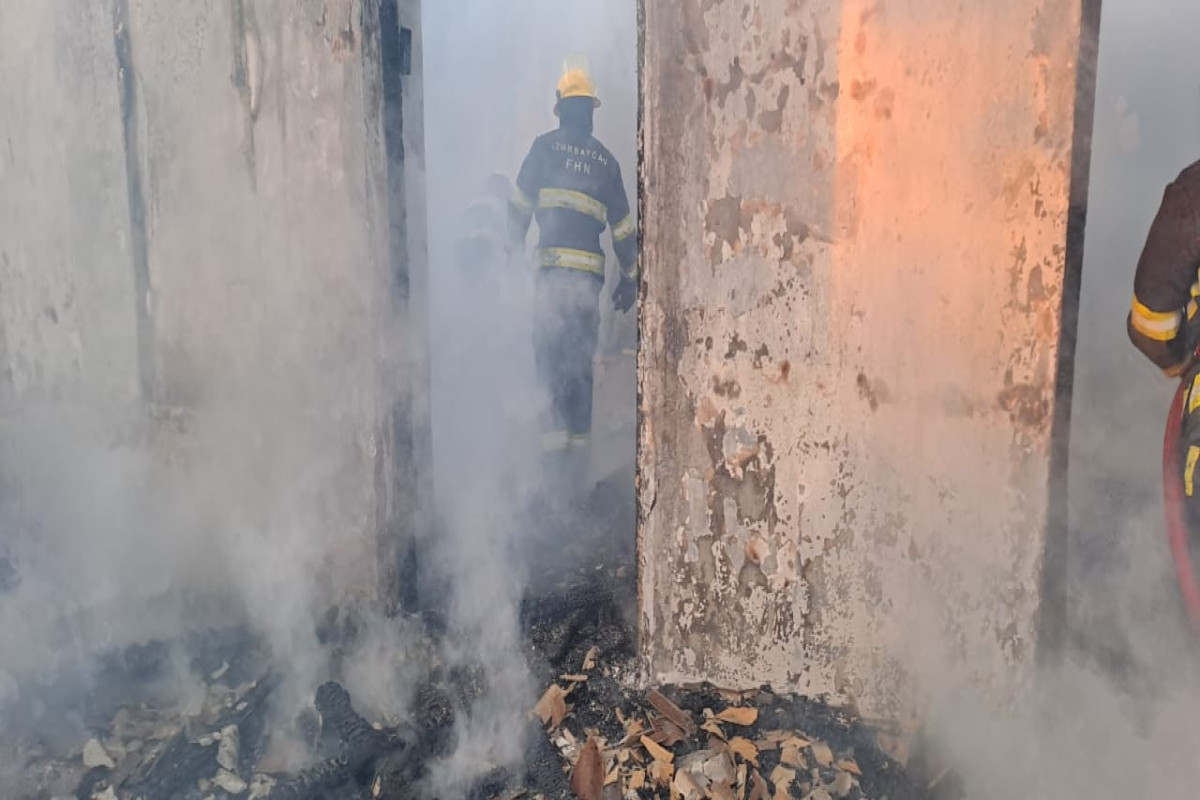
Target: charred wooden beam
x,y
388,760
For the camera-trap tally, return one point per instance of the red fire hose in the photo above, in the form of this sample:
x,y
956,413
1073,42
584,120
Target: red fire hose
x,y
1173,506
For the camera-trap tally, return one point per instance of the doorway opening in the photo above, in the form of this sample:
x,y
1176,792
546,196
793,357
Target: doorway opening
x,y
532,505
1123,604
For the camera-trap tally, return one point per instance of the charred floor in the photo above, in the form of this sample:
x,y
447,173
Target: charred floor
x,y
594,733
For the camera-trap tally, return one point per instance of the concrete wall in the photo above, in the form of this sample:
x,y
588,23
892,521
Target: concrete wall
x,y
68,333
264,273
855,245
198,222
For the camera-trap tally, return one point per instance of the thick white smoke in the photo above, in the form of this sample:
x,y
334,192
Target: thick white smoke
x,y
1120,716
100,541
1147,129
490,71
248,514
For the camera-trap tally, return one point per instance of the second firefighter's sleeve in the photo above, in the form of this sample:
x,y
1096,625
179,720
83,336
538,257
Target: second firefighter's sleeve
x,y
520,205
1163,293
623,229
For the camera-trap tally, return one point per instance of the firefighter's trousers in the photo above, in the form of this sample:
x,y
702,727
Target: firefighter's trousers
x,y
566,332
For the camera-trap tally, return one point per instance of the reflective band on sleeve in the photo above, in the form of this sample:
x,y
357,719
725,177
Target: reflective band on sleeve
x,y
1161,326
569,258
522,201
1190,470
623,229
579,440
633,273
575,201
1193,400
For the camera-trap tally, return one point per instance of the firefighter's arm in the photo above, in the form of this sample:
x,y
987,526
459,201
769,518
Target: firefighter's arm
x,y
520,205
1163,294
624,236
624,231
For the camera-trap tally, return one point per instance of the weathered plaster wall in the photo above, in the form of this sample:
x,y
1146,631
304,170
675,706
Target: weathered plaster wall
x,y
197,225
855,234
263,272
67,325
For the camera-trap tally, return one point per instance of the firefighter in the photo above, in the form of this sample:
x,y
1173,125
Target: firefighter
x,y
1162,322
479,253
572,184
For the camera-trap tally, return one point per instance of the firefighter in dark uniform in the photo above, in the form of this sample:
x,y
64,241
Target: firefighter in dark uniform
x,y
1162,322
572,184
480,252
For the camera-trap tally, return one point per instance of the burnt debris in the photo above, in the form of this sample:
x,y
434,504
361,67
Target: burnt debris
x,y
385,761
592,735
186,761
691,742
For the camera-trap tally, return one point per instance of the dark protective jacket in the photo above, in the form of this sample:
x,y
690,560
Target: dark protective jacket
x,y
572,183
1165,288
484,235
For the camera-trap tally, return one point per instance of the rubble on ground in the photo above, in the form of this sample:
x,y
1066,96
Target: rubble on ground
x,y
699,742
592,733
609,740
218,745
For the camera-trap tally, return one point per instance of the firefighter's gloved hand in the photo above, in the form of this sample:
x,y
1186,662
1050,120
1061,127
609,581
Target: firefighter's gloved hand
x,y
625,294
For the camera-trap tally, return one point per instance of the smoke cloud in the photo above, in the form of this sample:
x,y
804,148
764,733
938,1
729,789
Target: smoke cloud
x,y
109,549
491,71
247,507
242,501
1118,718
1147,126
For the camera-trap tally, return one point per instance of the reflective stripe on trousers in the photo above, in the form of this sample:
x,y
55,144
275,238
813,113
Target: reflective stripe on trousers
x,y
559,441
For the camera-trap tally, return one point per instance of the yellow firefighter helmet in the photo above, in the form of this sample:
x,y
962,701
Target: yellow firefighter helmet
x,y
576,81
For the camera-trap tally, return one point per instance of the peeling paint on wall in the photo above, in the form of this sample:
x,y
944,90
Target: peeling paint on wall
x,y
850,325
734,257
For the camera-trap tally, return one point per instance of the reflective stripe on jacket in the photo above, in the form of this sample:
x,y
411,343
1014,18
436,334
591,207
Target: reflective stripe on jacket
x,y
1165,286
572,184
